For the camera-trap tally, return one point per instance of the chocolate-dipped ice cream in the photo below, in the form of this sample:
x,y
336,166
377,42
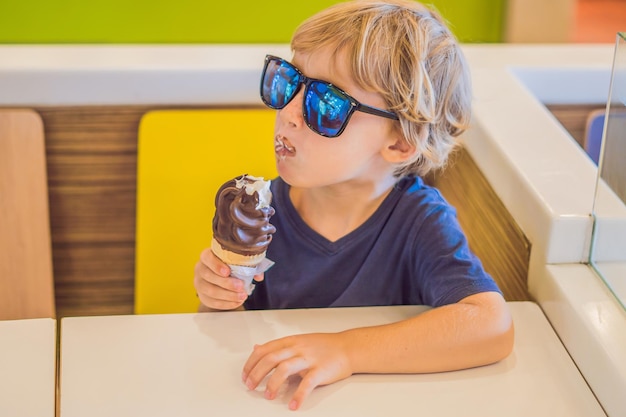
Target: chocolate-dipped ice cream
x,y
242,212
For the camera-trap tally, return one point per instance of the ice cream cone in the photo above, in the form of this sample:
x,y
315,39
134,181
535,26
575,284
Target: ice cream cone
x,y
241,227
242,266
232,258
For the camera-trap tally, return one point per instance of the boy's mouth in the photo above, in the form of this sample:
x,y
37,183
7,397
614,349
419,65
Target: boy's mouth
x,y
282,148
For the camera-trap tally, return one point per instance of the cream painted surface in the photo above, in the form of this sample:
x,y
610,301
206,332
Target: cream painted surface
x,y
591,325
541,175
556,177
27,368
102,75
614,273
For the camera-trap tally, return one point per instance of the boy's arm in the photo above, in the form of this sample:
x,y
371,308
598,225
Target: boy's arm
x,y
476,331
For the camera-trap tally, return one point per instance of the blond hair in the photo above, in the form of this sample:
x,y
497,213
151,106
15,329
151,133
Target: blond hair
x,y
405,52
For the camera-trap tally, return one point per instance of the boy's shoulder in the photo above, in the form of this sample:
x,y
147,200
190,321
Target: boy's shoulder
x,y
420,201
415,190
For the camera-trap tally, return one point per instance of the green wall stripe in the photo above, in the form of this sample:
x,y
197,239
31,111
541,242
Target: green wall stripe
x,y
196,21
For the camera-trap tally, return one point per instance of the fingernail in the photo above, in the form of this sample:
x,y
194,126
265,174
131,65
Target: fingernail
x,y
244,377
268,395
249,384
293,405
224,271
242,296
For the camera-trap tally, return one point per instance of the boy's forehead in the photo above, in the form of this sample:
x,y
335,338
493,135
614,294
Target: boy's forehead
x,y
334,67
324,64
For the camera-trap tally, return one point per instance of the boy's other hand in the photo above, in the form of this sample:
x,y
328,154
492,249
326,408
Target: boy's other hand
x,y
215,287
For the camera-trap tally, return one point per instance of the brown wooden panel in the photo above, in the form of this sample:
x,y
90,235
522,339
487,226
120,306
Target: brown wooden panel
x,y
92,164
92,154
94,278
91,212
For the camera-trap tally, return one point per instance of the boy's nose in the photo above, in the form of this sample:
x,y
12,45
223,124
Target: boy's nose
x,y
292,112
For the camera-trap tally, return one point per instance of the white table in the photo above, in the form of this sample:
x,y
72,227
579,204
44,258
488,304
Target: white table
x,y
27,368
190,365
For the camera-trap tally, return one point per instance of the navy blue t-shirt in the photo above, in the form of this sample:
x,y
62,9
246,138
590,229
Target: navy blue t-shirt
x,y
411,251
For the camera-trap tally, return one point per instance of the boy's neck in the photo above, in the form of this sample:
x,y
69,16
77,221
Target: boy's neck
x,y
337,210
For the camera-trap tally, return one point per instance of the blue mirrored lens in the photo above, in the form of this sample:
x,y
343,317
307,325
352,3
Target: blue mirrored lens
x,y
280,83
327,109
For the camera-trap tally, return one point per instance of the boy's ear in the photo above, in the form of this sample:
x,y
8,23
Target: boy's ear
x,y
398,149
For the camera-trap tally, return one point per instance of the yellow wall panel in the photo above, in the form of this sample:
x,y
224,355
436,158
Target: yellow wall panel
x,y
184,156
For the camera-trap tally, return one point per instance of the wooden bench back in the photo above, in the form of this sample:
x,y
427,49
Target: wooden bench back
x,y
26,284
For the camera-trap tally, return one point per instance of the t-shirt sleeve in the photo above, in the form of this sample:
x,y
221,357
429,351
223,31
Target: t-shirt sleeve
x,y
447,270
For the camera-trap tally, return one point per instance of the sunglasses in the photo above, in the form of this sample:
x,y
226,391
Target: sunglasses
x,y
326,108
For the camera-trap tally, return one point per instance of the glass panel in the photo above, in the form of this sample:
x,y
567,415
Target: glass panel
x,y
608,252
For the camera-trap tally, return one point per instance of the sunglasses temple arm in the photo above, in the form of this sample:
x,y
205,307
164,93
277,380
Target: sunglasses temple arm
x,y
377,112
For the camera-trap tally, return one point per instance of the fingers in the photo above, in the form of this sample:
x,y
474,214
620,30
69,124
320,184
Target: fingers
x,y
215,264
307,385
282,372
281,360
295,365
262,360
279,377
284,363
214,287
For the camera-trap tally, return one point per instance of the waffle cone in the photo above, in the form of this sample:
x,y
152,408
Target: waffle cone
x,y
232,258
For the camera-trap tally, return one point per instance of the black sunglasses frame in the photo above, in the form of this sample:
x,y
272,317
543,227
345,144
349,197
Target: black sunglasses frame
x,y
355,105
